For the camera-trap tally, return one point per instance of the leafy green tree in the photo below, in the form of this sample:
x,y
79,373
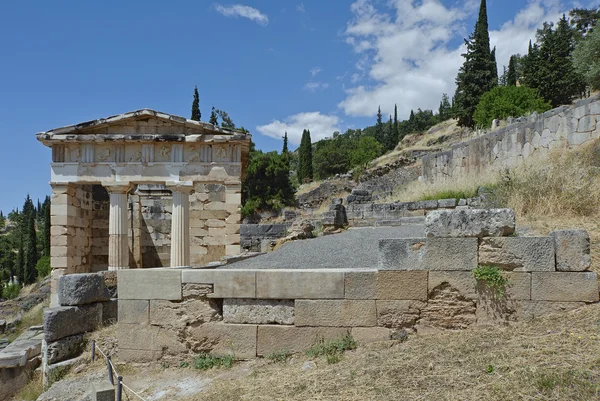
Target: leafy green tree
x,y
586,59
368,148
508,101
478,74
196,115
584,20
213,118
445,110
305,166
511,75
332,156
42,267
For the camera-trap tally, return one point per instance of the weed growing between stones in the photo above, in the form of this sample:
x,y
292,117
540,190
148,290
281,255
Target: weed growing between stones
x,y
332,350
492,277
206,361
279,356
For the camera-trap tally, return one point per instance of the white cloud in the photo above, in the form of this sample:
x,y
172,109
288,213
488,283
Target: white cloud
x,y
314,71
407,53
238,10
315,86
300,8
320,126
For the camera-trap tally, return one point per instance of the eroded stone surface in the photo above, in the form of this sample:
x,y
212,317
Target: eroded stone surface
x,y
258,311
335,313
81,289
65,321
65,348
428,254
518,253
399,314
470,223
447,308
572,250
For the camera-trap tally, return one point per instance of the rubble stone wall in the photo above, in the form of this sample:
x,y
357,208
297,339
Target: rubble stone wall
x,y
528,137
421,284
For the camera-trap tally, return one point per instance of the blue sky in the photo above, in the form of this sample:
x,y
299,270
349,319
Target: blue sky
x,y
272,65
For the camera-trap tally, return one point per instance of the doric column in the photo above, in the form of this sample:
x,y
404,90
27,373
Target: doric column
x,y
180,223
118,243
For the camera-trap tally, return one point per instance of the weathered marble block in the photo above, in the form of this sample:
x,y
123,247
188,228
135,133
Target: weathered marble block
x,y
470,223
572,250
258,311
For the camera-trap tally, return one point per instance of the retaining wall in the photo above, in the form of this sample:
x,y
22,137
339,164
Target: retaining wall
x,y
421,284
528,137
18,361
253,236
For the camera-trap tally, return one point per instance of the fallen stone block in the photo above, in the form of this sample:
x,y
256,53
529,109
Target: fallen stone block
x,y
335,313
65,321
402,285
470,223
65,348
272,339
525,254
564,287
258,311
572,250
81,289
428,253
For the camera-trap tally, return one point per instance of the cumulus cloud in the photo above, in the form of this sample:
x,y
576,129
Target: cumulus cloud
x,y
314,71
407,54
238,10
320,126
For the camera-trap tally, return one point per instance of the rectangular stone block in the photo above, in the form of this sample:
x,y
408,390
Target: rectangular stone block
x,y
299,284
137,336
572,250
564,287
365,335
294,339
81,289
336,313
470,223
360,285
396,314
227,283
65,348
150,284
518,253
225,339
428,253
134,311
258,311
402,285
65,321
102,391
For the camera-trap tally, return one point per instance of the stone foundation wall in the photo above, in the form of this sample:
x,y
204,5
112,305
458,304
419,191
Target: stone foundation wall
x,y
528,137
422,284
255,237
18,361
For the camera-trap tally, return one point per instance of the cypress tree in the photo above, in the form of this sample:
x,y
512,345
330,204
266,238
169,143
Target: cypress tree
x,y
31,255
379,133
511,75
305,168
213,118
285,144
478,74
412,124
196,115
20,262
46,244
396,129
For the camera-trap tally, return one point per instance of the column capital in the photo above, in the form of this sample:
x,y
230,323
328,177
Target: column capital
x,y
180,186
117,187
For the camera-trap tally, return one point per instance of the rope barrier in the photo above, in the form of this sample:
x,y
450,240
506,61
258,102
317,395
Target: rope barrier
x,y
112,373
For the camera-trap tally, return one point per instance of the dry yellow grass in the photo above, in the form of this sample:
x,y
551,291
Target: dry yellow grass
x,y
556,358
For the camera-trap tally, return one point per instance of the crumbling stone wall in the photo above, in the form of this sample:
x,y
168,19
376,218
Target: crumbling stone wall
x,y
422,284
528,137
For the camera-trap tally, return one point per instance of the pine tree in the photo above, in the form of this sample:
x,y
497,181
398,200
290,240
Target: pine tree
x,y
379,134
196,115
445,110
213,118
396,128
478,74
412,124
31,254
305,167
511,75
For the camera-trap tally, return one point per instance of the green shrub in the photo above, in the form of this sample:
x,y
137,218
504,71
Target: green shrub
x,y
279,356
492,277
206,361
508,101
332,350
11,291
43,266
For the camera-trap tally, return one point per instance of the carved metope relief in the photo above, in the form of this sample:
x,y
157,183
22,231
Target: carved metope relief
x,y
104,155
75,155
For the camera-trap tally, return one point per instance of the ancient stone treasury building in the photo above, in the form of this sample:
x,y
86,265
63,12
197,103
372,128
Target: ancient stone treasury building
x,y
144,189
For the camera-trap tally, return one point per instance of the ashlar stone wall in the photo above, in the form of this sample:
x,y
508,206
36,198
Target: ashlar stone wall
x,y
528,137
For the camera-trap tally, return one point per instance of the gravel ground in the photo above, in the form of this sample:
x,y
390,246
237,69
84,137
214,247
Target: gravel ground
x,y
355,248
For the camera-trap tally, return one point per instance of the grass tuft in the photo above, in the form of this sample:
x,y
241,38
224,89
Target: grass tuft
x,y
206,361
332,350
279,356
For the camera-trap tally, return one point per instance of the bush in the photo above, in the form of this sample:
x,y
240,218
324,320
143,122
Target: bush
x,y
11,291
43,266
508,101
492,277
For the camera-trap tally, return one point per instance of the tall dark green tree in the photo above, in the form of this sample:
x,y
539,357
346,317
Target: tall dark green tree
x,y
396,127
285,144
305,164
196,115
19,269
46,225
478,74
31,253
445,110
213,118
379,132
511,74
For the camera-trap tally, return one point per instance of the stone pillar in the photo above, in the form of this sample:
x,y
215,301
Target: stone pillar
x,y
180,223
118,243
60,235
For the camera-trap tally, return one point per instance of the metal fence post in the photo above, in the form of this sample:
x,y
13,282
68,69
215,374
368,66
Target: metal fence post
x,y
93,350
110,373
119,387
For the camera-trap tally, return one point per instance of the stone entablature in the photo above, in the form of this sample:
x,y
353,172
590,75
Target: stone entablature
x,y
100,222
